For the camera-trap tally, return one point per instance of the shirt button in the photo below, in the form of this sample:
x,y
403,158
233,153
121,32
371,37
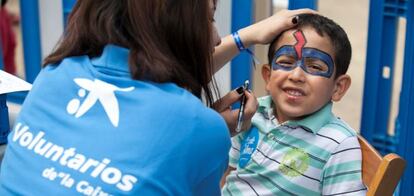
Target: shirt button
x,y
271,136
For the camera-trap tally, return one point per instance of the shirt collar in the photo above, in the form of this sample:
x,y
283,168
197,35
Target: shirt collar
x,y
113,57
265,104
313,122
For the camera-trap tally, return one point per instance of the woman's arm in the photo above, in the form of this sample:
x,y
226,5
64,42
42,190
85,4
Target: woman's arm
x,y
262,32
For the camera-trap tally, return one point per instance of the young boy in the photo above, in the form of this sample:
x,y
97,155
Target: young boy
x,y
296,146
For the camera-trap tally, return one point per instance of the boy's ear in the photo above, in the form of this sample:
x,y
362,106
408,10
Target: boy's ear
x,y
342,84
266,71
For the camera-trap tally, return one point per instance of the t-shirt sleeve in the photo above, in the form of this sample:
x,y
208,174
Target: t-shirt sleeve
x,y
209,186
210,156
342,173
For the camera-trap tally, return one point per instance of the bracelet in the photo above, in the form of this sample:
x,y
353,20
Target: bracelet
x,y
241,48
238,41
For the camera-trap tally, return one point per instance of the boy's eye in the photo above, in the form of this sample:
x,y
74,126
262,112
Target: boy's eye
x,y
316,69
316,66
285,62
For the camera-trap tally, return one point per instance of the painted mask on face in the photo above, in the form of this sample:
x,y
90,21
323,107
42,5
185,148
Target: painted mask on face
x,y
311,60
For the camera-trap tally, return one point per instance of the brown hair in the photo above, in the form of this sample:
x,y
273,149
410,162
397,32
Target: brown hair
x,y
169,41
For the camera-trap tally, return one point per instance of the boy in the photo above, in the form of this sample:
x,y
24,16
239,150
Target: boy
x,y
296,146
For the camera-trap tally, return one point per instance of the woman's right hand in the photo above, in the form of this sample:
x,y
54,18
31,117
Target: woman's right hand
x,y
223,106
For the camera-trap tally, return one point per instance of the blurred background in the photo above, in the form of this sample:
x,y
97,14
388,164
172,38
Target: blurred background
x,y
352,15
377,29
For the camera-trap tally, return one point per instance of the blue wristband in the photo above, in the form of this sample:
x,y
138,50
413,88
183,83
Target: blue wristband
x,y
241,47
238,41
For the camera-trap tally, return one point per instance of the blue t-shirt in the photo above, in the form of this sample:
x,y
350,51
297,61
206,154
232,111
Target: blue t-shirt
x,y
87,128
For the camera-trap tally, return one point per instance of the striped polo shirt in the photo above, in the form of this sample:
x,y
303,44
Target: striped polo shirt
x,y
317,155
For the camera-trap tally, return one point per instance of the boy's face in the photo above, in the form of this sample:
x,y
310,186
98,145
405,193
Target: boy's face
x,y
300,78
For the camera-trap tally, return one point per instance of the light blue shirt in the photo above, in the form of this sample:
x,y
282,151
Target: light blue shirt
x,y
87,128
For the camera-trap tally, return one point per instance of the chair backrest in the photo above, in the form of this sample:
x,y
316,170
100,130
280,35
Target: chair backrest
x,y
380,174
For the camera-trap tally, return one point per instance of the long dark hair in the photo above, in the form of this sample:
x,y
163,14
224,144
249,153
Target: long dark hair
x,y
169,40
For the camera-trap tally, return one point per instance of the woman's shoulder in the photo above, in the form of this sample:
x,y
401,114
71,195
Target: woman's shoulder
x,y
194,107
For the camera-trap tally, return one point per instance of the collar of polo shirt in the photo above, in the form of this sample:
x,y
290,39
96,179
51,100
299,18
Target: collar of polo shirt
x,y
313,122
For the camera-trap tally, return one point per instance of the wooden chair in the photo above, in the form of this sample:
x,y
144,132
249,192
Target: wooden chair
x,y
380,174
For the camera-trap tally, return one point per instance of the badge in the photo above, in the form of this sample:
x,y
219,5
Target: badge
x,y
248,146
295,162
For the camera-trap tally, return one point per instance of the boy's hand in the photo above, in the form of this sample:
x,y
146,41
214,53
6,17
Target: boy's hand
x,y
223,106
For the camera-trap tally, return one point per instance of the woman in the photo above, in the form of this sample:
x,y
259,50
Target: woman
x,y
117,109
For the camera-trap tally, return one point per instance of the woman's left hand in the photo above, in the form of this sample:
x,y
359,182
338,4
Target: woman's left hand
x,y
223,106
263,32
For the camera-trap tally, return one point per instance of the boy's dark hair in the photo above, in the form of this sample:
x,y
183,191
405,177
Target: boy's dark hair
x,y
337,36
167,43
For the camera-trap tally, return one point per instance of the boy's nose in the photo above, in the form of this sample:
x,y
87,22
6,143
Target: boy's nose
x,y
297,74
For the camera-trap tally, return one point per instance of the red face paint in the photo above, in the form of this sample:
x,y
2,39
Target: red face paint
x,y
301,41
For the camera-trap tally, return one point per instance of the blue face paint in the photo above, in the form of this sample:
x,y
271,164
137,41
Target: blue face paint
x,y
313,61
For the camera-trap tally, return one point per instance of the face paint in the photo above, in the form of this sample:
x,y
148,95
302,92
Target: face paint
x,y
311,60
301,41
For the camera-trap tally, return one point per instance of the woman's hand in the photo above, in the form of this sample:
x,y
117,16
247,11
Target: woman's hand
x,y
223,106
262,32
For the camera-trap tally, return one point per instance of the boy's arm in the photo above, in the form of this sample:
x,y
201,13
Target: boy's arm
x,y
223,179
234,156
342,173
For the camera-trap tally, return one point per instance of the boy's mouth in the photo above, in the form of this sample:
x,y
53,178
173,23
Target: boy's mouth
x,y
294,92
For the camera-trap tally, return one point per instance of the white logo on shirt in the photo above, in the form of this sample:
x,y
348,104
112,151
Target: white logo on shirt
x,y
98,90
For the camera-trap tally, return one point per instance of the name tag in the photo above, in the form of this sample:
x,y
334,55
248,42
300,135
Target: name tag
x,y
248,146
